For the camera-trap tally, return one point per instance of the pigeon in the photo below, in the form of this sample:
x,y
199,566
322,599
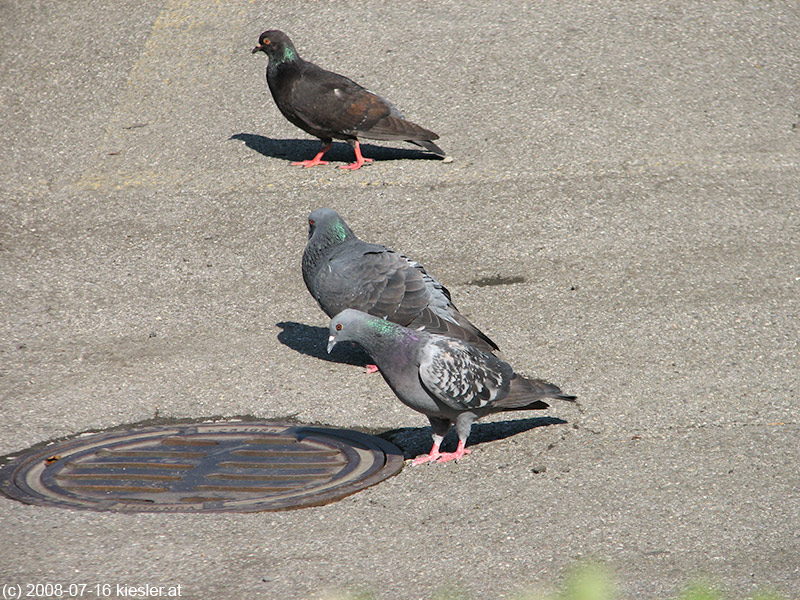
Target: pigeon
x,y
328,105
341,271
448,380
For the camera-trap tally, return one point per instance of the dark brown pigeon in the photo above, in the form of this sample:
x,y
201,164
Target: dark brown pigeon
x,y
342,271
330,106
448,380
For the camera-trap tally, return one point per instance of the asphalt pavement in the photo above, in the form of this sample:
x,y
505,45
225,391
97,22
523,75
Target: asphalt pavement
x,y
621,216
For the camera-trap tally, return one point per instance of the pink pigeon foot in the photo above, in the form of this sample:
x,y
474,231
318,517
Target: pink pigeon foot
x,y
372,369
432,456
317,160
360,160
457,455
425,458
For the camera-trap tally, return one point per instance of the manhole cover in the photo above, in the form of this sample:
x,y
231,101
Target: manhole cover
x,y
202,467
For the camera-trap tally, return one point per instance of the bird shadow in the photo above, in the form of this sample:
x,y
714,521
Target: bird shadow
x,y
313,341
414,441
297,150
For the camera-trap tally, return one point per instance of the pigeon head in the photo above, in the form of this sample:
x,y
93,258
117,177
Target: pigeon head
x,y
277,46
327,235
327,228
352,325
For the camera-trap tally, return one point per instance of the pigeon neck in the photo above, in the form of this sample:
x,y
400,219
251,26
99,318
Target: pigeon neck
x,y
289,55
384,337
321,247
335,235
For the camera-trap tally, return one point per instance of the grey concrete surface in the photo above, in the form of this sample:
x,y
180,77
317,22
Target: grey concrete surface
x,y
634,166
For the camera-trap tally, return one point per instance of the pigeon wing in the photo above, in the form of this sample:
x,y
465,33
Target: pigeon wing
x,y
441,315
327,101
395,126
462,376
374,280
336,105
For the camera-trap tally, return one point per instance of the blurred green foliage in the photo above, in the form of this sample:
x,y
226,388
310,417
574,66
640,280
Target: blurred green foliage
x,y
586,581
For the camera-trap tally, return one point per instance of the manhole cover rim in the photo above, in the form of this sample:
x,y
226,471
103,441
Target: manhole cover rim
x,y
381,460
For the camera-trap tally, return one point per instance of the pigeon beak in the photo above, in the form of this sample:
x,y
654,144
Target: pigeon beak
x,y
331,343
257,49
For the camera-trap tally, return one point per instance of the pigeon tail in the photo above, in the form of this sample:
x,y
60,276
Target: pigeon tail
x,y
429,146
529,394
394,128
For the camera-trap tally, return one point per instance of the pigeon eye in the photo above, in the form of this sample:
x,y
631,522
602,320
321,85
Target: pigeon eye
x,y
310,222
265,41
338,327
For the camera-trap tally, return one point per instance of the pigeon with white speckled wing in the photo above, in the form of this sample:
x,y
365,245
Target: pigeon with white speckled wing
x,y
341,271
448,380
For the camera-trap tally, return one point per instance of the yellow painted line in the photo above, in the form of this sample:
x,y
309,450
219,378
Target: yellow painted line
x,y
143,137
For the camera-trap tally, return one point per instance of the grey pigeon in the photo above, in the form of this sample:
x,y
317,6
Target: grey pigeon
x,y
341,271
328,105
447,380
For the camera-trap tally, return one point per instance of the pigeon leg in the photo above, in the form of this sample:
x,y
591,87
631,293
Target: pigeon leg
x,y
464,423
317,160
372,369
460,452
440,428
433,455
360,160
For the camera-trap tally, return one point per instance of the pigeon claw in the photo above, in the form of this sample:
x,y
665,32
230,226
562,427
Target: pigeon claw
x,y
460,453
425,458
317,160
435,456
448,456
360,160
356,165
307,164
372,369
430,456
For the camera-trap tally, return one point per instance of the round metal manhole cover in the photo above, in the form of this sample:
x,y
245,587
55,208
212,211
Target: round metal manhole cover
x,y
202,467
